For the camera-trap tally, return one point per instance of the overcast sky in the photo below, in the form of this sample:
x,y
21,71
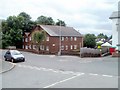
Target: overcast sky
x,y
87,16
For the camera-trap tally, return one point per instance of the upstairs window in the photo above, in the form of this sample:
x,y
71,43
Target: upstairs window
x,y
30,38
26,39
71,38
66,38
62,39
47,38
75,38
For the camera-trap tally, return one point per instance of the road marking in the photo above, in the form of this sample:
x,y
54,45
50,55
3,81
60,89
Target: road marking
x,y
93,74
63,80
107,75
45,69
62,72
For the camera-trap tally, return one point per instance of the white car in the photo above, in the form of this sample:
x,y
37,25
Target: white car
x,y
14,56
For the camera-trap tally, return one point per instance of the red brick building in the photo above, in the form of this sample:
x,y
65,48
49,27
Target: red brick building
x,y
71,40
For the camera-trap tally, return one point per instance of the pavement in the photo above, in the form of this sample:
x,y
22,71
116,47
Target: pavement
x,y
6,66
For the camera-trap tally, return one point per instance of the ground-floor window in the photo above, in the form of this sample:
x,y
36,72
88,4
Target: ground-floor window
x,y
71,47
75,46
42,47
47,48
26,47
66,47
62,47
34,46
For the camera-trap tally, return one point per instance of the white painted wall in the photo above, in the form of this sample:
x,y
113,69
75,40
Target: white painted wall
x,y
114,33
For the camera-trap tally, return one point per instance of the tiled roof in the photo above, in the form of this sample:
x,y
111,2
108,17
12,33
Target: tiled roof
x,y
53,30
115,15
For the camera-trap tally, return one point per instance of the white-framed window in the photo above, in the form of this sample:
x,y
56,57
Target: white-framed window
x,y
42,47
62,39
66,47
66,38
26,47
47,48
62,47
30,38
47,38
26,39
71,47
53,45
71,38
75,38
75,46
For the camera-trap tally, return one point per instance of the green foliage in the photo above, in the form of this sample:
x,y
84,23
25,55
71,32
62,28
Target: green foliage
x,y
45,20
12,31
60,23
101,35
38,37
89,40
28,24
13,28
49,21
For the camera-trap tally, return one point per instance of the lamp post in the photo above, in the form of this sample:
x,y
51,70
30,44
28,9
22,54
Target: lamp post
x,y
59,53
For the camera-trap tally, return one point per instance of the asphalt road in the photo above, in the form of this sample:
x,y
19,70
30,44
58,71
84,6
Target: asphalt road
x,y
50,71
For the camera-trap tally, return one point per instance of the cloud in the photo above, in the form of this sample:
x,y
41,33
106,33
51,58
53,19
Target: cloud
x,y
84,15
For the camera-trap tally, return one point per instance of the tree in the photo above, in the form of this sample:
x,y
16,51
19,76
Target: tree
x,y
60,23
38,37
45,20
101,35
12,31
89,40
26,16
28,24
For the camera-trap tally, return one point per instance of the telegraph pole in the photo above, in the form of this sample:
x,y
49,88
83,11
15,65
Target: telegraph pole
x,y
59,53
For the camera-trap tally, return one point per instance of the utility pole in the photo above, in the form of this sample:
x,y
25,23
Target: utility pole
x,y
59,53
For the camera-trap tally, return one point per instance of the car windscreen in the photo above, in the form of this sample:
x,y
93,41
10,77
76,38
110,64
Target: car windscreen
x,y
15,53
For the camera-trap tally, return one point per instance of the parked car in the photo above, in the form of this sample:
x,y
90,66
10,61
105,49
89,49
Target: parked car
x,y
14,56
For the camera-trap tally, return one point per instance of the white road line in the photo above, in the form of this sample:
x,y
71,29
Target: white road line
x,y
62,72
107,75
93,74
63,81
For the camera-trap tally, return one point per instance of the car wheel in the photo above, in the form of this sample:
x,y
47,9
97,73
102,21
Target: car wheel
x,y
12,60
23,60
